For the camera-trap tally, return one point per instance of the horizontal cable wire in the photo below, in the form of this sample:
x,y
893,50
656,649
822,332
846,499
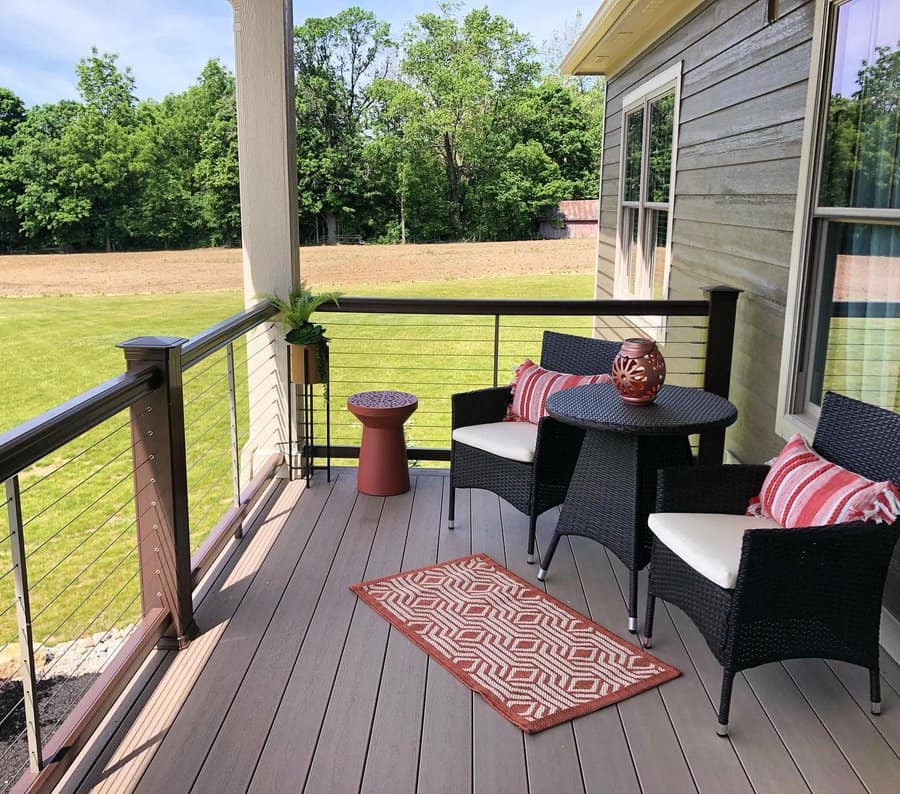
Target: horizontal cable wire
x,y
203,475
90,507
100,584
212,365
88,566
71,643
84,540
200,521
80,454
13,745
51,699
86,479
191,450
219,380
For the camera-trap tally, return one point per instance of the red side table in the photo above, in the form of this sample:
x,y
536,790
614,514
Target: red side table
x,y
383,466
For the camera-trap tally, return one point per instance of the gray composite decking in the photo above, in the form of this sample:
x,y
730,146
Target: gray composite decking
x,y
295,686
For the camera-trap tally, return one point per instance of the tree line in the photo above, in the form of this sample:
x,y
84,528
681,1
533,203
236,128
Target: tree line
x,y
455,132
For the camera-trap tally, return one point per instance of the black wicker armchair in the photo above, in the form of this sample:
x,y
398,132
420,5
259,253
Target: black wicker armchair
x,y
532,482
795,593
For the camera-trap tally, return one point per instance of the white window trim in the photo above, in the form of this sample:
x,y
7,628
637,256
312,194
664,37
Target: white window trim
x,y
788,421
659,84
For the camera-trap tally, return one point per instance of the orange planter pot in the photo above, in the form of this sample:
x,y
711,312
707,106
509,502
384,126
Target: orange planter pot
x,y
383,465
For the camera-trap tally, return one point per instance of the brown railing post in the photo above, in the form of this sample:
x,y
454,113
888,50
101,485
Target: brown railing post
x,y
160,486
717,366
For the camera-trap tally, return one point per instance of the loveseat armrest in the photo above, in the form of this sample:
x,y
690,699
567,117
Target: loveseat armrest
x,y
708,489
479,407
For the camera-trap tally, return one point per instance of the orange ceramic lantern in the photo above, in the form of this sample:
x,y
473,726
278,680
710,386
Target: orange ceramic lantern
x,y
639,371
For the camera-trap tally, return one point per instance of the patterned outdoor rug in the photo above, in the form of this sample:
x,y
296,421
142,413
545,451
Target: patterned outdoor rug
x,y
534,659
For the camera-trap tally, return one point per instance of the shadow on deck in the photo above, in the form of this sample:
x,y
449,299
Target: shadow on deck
x,y
294,686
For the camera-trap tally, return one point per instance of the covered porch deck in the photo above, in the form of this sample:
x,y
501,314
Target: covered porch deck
x,y
293,685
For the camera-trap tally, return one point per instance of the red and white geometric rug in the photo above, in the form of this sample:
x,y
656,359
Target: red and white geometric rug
x,y
534,659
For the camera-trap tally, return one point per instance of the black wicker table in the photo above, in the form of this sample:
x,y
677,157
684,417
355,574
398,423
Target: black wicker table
x,y
613,487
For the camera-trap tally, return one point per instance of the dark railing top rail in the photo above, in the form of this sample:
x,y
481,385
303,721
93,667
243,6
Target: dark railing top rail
x,y
216,337
491,306
44,434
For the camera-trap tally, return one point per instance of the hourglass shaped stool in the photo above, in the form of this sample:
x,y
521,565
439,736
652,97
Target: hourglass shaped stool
x,y
383,465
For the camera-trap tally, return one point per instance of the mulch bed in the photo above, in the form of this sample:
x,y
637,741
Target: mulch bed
x,y
56,697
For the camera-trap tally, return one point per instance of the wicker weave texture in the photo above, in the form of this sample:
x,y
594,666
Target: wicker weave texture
x,y
813,592
531,488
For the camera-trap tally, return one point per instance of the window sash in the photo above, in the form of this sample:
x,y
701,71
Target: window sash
x,y
809,377
625,283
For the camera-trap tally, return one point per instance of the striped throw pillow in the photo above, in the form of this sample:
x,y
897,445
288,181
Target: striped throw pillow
x,y
532,385
802,489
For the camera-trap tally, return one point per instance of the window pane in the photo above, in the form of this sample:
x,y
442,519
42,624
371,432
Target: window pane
x,y
659,167
857,339
634,142
861,164
658,229
630,247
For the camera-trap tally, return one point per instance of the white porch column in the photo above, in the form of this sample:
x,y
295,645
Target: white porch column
x,y
263,36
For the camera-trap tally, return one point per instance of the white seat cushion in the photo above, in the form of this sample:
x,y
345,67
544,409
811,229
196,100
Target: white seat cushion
x,y
512,440
709,542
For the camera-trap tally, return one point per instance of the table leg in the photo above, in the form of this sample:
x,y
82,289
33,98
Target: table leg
x,y
613,490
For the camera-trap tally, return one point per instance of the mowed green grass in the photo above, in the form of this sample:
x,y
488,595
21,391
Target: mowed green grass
x,y
78,504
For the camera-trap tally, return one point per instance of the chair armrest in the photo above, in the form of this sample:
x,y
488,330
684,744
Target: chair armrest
x,y
708,489
815,591
479,407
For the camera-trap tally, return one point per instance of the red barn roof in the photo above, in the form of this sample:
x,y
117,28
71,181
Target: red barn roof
x,y
581,210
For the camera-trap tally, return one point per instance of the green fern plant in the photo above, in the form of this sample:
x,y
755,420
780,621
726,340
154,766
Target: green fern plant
x,y
296,311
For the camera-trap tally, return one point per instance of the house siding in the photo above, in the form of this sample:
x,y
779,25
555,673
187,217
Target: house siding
x,y
743,100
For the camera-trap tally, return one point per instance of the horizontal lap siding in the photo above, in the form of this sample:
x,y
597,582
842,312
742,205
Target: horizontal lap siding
x,y
742,107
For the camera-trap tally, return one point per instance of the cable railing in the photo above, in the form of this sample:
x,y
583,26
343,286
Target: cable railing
x,y
116,504
435,348
119,501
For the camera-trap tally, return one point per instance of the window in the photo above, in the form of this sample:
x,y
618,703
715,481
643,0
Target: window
x,y
649,132
849,323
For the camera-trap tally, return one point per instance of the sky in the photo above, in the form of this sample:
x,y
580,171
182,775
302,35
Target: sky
x,y
167,42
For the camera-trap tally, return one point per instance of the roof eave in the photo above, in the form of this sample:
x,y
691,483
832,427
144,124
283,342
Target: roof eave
x,y
620,31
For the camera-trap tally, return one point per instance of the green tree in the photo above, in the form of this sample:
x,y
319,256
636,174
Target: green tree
x,y
217,173
336,59
179,202
458,80
76,161
49,209
12,113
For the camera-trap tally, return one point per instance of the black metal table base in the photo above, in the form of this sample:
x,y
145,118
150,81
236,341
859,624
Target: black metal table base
x,y
612,492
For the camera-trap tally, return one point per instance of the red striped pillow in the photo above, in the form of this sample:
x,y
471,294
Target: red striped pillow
x,y
802,489
532,385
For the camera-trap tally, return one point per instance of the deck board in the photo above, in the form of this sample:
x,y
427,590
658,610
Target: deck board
x,y
340,752
445,756
295,685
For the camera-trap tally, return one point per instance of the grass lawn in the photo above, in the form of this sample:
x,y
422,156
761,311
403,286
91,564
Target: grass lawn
x,y
82,556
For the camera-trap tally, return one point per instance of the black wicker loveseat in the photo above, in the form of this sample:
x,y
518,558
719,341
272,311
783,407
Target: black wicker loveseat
x,y
814,592
536,485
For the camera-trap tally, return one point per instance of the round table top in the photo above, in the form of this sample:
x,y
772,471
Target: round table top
x,y
382,399
678,410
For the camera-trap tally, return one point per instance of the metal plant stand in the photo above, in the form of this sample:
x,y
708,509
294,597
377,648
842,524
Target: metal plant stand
x,y
307,465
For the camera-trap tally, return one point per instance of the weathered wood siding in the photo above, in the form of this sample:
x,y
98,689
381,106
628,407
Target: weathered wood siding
x,y
742,107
